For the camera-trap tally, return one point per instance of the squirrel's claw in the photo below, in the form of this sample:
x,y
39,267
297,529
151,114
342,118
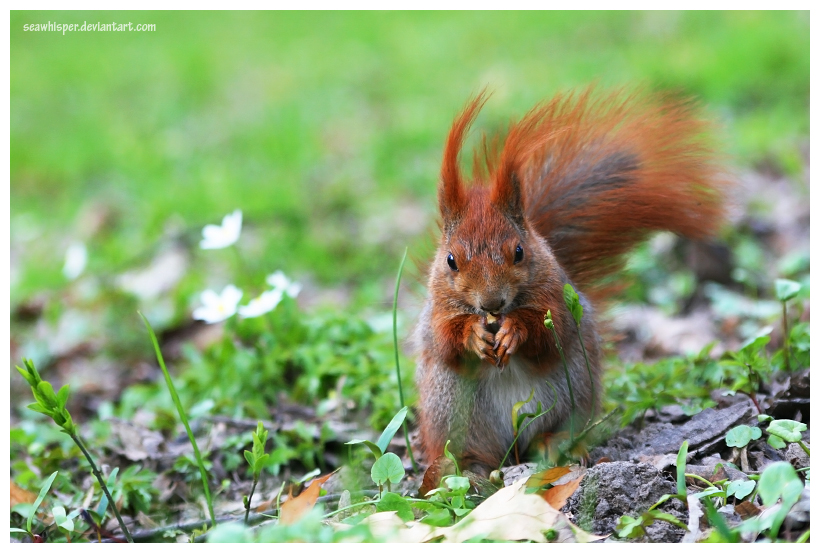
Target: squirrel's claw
x,y
507,340
480,342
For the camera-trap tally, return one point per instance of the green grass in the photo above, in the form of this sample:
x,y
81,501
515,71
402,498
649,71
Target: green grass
x,y
319,124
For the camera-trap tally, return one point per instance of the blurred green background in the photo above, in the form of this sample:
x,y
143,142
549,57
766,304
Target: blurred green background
x,y
326,128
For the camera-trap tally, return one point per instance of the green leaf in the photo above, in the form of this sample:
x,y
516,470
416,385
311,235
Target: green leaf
x,y
573,303
711,491
787,430
660,515
680,463
517,407
61,520
438,517
765,418
261,460
723,532
776,442
62,397
39,408
785,289
259,439
112,477
629,527
391,429
458,484
780,480
30,379
740,488
451,457
741,435
43,491
376,450
757,340
388,467
250,459
182,416
17,530
394,502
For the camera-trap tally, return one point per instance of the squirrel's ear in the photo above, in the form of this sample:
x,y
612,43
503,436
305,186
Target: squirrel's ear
x,y
451,196
506,196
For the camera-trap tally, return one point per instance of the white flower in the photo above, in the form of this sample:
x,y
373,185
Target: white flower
x,y
217,308
215,237
280,282
266,301
76,256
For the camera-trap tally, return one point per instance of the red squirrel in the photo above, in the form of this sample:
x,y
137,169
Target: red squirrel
x,y
572,187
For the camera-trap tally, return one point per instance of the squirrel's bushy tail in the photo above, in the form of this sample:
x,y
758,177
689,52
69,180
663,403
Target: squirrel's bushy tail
x,y
602,171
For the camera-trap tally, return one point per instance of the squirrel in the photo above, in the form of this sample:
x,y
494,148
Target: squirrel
x,y
574,185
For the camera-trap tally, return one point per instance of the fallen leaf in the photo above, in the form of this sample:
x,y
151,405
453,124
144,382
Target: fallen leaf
x,y
747,510
19,495
557,496
693,532
295,508
563,480
438,469
545,477
509,515
512,514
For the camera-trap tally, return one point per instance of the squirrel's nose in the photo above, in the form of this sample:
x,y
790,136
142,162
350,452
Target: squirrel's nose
x,y
492,305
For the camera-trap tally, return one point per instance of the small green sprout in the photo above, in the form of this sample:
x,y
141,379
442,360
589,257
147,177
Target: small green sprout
x,y
54,406
256,459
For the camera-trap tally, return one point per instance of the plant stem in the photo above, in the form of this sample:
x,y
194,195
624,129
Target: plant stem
x,y
250,497
569,383
786,348
589,370
702,479
806,449
398,369
101,480
526,424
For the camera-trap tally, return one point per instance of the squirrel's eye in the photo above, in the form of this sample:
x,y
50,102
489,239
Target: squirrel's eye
x,y
519,254
451,261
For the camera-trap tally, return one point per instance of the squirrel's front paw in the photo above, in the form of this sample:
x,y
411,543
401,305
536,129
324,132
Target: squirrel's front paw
x,y
481,342
507,340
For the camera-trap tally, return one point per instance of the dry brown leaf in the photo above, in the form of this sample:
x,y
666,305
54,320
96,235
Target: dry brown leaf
x,y
557,495
295,508
747,510
19,495
439,468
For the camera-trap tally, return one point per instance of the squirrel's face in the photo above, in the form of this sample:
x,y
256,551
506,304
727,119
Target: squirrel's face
x,y
485,257
488,253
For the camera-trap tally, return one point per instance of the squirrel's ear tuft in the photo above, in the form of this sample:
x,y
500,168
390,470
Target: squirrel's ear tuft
x,y
506,195
451,196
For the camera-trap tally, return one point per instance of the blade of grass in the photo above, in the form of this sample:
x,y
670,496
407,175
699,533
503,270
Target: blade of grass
x,y
681,468
43,491
396,349
202,471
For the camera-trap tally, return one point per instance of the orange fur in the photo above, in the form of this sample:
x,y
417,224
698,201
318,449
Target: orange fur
x,y
576,183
